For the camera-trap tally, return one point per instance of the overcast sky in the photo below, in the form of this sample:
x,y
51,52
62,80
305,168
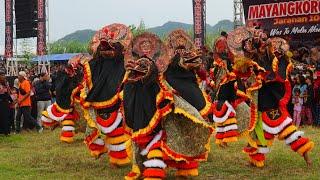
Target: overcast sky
x,y
67,16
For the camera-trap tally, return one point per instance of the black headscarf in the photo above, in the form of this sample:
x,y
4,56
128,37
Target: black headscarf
x,y
185,83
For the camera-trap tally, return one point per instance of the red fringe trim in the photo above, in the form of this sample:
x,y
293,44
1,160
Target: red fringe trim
x,y
276,122
286,98
268,136
154,172
117,132
232,133
257,157
179,156
108,122
298,143
221,112
156,146
143,141
249,150
67,133
96,147
219,135
89,139
55,111
182,165
118,154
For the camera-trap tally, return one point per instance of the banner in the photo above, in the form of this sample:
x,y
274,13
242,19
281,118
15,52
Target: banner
x,y
41,39
199,22
8,29
296,20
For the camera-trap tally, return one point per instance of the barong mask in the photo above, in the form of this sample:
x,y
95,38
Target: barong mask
x,y
148,57
181,46
111,41
74,65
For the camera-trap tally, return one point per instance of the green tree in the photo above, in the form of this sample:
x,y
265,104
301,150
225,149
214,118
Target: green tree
x,y
61,47
26,51
138,30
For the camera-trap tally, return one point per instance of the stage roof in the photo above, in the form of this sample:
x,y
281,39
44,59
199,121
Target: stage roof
x,y
55,57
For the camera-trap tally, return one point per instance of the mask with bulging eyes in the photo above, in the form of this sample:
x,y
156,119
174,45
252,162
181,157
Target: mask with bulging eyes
x,y
111,41
183,48
139,69
146,58
190,59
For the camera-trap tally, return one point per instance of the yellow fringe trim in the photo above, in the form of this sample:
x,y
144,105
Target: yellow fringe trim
x,y
87,71
275,63
155,154
205,111
286,132
73,94
129,149
242,94
66,139
117,140
289,68
218,141
191,117
120,162
306,148
65,111
251,141
136,170
258,164
188,172
147,129
121,95
91,123
230,121
105,103
97,153
230,139
67,123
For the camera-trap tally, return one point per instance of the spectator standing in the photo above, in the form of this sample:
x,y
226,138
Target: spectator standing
x,y
43,97
5,100
24,103
308,103
12,108
297,101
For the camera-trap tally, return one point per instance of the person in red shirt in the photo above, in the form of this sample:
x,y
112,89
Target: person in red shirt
x,y
24,103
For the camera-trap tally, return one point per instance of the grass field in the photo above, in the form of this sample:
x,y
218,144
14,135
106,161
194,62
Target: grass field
x,y
41,156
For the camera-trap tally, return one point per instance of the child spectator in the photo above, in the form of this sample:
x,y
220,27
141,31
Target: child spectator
x,y
12,108
297,101
308,103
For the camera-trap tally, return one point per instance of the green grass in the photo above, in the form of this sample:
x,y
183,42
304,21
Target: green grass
x,y
42,156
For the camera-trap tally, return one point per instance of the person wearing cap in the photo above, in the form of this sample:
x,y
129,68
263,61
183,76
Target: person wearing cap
x,y
43,96
24,103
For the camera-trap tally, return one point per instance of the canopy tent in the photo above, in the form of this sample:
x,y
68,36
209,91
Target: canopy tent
x,y
55,57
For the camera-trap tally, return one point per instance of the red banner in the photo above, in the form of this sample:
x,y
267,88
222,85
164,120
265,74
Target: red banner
x,y
199,22
295,20
41,40
8,29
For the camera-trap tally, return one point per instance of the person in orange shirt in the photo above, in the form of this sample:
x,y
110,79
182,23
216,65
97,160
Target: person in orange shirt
x,y
24,103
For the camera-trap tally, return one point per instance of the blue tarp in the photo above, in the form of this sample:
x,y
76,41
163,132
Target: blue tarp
x,y
55,57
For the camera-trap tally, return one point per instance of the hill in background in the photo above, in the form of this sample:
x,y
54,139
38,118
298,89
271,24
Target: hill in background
x,y
85,35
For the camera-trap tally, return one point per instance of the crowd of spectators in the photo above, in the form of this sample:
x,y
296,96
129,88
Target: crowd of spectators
x,y
305,80
23,98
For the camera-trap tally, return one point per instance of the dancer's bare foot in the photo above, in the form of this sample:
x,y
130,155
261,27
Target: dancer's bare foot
x,y
223,145
113,166
307,159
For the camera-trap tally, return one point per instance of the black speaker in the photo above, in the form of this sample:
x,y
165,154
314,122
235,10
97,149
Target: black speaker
x,y
26,13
